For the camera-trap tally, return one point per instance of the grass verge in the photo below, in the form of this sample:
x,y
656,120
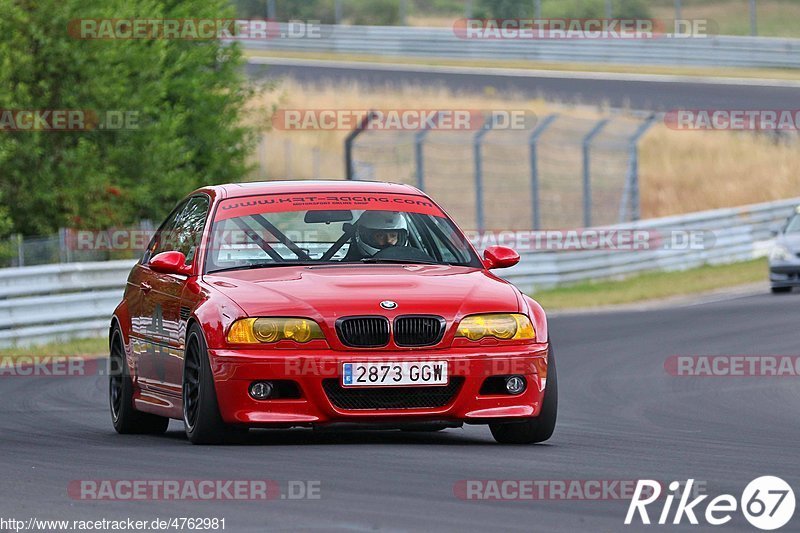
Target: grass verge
x,y
653,286
92,347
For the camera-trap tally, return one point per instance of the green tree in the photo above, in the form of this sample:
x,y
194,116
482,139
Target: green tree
x,y
187,98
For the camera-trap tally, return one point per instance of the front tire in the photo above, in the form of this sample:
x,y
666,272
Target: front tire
x,y
537,429
780,290
201,418
126,419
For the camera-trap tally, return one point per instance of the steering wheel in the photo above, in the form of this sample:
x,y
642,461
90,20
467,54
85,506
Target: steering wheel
x,y
404,253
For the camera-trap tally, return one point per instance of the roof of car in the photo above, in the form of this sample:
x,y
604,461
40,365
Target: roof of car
x,y
233,190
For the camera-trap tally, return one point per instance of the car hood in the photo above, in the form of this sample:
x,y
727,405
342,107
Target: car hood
x,y
790,241
326,293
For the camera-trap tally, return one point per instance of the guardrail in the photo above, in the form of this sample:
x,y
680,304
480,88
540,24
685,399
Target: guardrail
x,y
46,303
738,234
52,302
717,51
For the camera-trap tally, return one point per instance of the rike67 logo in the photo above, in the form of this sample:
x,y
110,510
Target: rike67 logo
x,y
767,503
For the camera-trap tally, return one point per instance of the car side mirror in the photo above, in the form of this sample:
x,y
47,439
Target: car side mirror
x,y
499,257
775,229
170,263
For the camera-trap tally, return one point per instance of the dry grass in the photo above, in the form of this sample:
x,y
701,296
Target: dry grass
x,y
684,171
775,18
680,171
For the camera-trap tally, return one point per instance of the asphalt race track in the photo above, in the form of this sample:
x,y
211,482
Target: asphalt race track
x,y
619,93
622,417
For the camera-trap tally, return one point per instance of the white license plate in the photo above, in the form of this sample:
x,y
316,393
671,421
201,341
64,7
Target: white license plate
x,y
385,374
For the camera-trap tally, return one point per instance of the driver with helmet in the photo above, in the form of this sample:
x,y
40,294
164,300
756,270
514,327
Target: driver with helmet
x,y
375,231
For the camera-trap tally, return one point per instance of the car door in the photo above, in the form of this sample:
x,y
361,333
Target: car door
x,y
163,312
145,342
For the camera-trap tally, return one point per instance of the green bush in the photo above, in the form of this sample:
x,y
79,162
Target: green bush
x,y
375,13
455,8
188,99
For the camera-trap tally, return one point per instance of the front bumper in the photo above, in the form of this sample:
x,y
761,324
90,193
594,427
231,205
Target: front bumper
x,y
784,274
234,371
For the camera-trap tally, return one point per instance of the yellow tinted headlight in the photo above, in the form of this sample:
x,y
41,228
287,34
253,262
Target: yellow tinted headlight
x,y
267,329
241,332
270,330
505,326
301,330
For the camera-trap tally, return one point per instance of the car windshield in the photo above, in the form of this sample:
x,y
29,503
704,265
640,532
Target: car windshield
x,y
276,230
794,225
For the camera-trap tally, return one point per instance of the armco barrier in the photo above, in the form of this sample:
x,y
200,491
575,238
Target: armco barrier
x,y
392,41
739,234
45,303
40,304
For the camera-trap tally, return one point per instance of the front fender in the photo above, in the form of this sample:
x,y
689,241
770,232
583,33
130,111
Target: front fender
x,y
539,318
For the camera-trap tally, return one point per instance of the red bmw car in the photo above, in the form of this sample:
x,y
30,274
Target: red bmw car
x,y
327,303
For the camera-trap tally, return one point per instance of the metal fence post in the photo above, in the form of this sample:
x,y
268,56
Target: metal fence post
x,y
20,250
419,141
677,10
337,11
479,219
534,157
64,244
348,144
587,182
753,24
419,160
630,193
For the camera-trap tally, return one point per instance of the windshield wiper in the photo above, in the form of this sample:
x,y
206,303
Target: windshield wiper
x,y
399,261
267,265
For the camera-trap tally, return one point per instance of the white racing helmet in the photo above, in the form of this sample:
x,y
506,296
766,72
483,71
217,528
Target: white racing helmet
x,y
372,225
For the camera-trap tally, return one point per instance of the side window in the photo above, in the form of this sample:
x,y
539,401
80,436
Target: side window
x,y
181,231
188,228
159,243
